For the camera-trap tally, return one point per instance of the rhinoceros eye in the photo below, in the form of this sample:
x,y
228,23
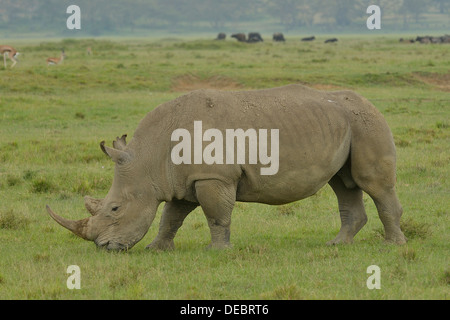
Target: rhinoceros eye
x,y
115,208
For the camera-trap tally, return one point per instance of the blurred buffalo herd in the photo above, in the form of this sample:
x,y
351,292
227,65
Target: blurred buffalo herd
x,y
253,37
428,39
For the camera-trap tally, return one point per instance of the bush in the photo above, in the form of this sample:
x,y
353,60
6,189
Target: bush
x,y
12,220
42,185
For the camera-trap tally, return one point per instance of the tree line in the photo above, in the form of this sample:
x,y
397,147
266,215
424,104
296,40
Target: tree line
x,y
116,16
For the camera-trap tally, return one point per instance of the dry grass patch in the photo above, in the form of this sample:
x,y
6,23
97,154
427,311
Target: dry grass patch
x,y
189,82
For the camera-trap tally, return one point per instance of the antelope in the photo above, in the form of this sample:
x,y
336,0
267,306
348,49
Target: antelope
x,y
55,61
10,52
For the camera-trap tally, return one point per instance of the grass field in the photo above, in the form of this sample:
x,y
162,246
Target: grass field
x,y
53,118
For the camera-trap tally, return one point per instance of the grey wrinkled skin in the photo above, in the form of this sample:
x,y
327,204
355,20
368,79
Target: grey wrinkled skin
x,y
338,138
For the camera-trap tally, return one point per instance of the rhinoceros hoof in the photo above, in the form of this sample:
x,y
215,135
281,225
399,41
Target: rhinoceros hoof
x,y
399,239
219,246
161,245
340,240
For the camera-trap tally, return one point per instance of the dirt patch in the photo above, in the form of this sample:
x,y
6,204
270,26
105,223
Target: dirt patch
x,y
189,82
440,81
325,87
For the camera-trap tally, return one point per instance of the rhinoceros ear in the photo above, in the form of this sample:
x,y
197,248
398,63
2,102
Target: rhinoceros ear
x,y
118,156
120,143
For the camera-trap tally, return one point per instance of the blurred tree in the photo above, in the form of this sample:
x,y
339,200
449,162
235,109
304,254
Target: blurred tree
x,y
118,16
286,11
218,12
442,5
293,13
414,8
342,13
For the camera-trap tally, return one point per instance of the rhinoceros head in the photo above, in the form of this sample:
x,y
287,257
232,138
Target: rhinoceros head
x,y
124,216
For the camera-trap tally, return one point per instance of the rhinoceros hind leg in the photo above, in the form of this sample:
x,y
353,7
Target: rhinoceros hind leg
x,y
377,178
172,218
351,209
390,211
217,200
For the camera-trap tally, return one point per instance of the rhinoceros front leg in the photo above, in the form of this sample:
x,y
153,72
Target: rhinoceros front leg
x,y
172,218
217,200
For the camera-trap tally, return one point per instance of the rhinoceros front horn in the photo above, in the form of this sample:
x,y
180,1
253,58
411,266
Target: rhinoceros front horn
x,y
80,227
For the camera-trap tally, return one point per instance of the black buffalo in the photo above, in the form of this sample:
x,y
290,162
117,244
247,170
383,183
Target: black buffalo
x,y
254,37
221,36
430,39
240,37
309,38
278,36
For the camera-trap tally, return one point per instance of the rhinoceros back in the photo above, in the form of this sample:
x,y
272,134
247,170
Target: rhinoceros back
x,y
314,138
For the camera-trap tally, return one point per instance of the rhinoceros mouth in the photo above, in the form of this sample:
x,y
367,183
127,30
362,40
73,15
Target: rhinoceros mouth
x,y
113,246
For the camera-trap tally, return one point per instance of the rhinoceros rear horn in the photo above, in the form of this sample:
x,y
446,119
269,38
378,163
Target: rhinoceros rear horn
x,y
80,227
118,156
92,205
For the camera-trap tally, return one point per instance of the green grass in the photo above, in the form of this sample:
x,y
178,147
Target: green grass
x,y
53,118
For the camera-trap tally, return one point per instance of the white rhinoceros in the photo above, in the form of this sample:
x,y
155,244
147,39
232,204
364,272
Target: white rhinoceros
x,y
316,137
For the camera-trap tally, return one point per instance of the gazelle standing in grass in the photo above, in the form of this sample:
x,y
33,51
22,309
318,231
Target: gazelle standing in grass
x,y
9,52
55,61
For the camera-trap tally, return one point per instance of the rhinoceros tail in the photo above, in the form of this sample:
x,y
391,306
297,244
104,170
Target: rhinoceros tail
x,y
345,175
